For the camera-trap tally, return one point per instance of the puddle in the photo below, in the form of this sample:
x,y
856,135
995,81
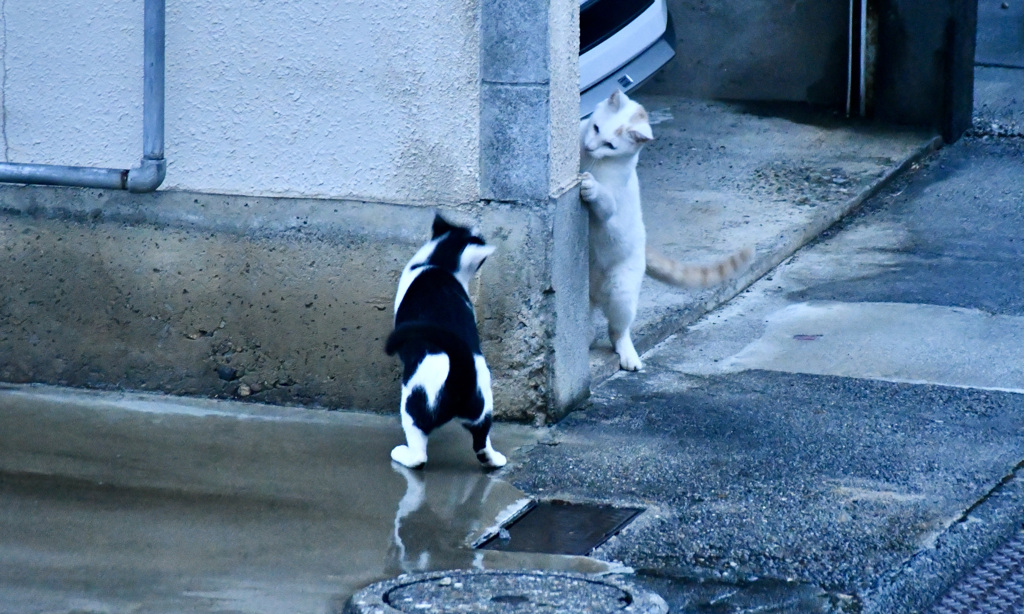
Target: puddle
x,y
142,503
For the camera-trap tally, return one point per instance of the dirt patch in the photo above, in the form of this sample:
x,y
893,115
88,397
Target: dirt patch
x,y
805,185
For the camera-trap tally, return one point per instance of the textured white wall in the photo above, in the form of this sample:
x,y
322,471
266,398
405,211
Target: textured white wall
x,y
325,98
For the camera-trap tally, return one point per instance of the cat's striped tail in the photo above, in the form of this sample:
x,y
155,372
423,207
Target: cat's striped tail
x,y
461,381
667,270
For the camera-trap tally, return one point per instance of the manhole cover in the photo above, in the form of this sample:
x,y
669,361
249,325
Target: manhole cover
x,y
506,592
559,527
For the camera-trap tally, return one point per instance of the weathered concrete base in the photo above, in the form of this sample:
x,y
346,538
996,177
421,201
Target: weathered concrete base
x,y
278,300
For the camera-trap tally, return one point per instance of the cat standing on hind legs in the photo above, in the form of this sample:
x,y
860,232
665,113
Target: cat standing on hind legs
x,y
610,143
445,375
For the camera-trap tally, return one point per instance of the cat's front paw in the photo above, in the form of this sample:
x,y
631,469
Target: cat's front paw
x,y
407,458
589,187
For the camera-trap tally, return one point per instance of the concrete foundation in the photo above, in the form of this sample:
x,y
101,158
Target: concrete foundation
x,y
281,300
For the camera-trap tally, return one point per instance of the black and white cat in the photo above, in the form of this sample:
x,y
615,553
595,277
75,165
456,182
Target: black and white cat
x,y
445,375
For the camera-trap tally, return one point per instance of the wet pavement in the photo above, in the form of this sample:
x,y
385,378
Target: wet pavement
x,y
118,502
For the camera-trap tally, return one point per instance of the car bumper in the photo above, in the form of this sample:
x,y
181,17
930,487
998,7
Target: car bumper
x,y
634,73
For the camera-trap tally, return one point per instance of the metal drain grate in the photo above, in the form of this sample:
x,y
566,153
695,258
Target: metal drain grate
x,y
559,527
995,587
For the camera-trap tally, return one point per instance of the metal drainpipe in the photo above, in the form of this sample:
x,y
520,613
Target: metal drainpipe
x,y
150,172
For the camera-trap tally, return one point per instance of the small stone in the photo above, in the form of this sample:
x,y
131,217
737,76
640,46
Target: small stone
x,y
445,581
1004,5
227,373
244,390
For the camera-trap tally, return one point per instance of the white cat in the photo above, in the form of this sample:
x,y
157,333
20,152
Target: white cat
x,y
610,143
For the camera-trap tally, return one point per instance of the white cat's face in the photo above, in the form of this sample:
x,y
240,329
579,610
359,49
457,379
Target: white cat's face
x,y
618,127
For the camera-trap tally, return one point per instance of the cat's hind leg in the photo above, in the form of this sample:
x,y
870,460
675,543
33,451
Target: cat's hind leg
x,y
620,311
414,454
487,455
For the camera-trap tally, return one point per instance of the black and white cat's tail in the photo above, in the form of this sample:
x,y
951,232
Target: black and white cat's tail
x,y
461,384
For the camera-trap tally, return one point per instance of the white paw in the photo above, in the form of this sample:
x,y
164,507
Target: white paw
x,y
589,187
629,360
492,459
407,458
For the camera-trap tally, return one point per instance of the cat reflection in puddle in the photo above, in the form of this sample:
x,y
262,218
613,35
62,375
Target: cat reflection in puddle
x,y
434,520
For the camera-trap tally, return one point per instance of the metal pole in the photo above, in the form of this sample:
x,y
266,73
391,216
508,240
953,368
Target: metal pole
x,y
49,174
153,82
152,168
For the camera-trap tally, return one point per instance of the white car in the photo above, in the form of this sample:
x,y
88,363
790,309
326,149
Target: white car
x,y
622,44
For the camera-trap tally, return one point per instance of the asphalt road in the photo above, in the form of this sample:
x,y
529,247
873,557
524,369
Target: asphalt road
x,y
811,444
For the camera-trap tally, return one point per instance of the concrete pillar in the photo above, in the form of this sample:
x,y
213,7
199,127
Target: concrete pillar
x,y
529,156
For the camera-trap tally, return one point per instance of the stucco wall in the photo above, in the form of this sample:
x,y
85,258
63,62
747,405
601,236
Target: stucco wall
x,y
376,101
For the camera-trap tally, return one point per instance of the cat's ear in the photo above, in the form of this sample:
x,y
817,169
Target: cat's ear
x,y
474,255
641,134
615,100
440,227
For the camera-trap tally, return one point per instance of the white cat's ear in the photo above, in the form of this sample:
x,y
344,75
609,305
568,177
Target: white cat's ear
x,y
615,100
641,134
474,255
